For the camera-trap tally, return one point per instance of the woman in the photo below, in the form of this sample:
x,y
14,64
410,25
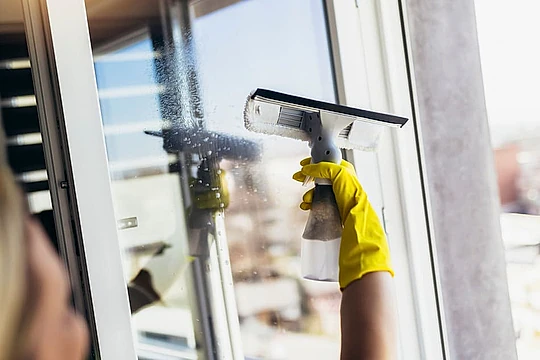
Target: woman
x,y
36,318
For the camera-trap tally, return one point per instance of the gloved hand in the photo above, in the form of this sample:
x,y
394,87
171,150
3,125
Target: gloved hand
x,y
363,242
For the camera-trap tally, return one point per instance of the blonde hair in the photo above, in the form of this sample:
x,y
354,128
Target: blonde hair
x,y
14,267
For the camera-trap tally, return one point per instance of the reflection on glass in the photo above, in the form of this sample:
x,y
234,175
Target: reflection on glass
x,y
207,212
147,199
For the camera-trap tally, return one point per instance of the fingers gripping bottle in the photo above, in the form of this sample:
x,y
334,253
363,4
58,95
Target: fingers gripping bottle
x,y
322,234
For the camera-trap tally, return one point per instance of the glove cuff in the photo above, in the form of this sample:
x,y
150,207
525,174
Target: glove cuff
x,y
347,277
364,248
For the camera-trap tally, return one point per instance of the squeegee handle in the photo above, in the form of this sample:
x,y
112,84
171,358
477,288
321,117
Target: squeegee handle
x,y
322,143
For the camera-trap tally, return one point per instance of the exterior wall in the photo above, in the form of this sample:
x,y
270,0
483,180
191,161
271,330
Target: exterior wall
x,y
461,178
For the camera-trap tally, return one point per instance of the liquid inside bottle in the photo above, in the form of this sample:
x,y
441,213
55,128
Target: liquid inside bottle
x,y
320,259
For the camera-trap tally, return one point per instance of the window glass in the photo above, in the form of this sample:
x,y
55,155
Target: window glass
x,y
286,50
172,84
511,76
147,199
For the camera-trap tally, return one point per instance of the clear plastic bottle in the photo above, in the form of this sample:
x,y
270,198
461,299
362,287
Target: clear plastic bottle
x,y
322,237
320,259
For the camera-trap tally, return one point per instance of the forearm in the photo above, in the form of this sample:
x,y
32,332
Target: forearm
x,y
368,321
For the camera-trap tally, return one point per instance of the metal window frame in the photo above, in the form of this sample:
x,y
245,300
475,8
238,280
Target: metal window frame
x,y
71,70
369,41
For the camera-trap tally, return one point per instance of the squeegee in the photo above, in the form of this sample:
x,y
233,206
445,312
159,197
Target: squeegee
x,y
327,127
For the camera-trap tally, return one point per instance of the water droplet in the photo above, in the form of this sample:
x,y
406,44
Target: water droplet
x,y
218,195
209,152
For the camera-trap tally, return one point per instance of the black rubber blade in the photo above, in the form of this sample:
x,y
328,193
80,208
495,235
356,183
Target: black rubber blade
x,y
325,106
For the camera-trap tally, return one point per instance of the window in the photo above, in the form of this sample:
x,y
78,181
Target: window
x,y
207,277
197,76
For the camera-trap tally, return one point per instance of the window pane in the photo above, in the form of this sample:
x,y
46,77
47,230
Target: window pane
x,y
172,85
239,49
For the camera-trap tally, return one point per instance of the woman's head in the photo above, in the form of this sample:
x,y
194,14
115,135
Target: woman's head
x,y
36,320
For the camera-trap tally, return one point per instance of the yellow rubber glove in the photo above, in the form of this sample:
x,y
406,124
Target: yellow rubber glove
x,y
364,248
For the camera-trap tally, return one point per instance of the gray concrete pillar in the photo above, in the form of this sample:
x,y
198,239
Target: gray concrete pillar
x,y
461,178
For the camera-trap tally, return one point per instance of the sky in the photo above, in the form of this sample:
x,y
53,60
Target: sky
x,y
508,35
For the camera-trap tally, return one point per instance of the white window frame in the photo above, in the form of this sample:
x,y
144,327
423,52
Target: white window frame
x,y
372,71
72,56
